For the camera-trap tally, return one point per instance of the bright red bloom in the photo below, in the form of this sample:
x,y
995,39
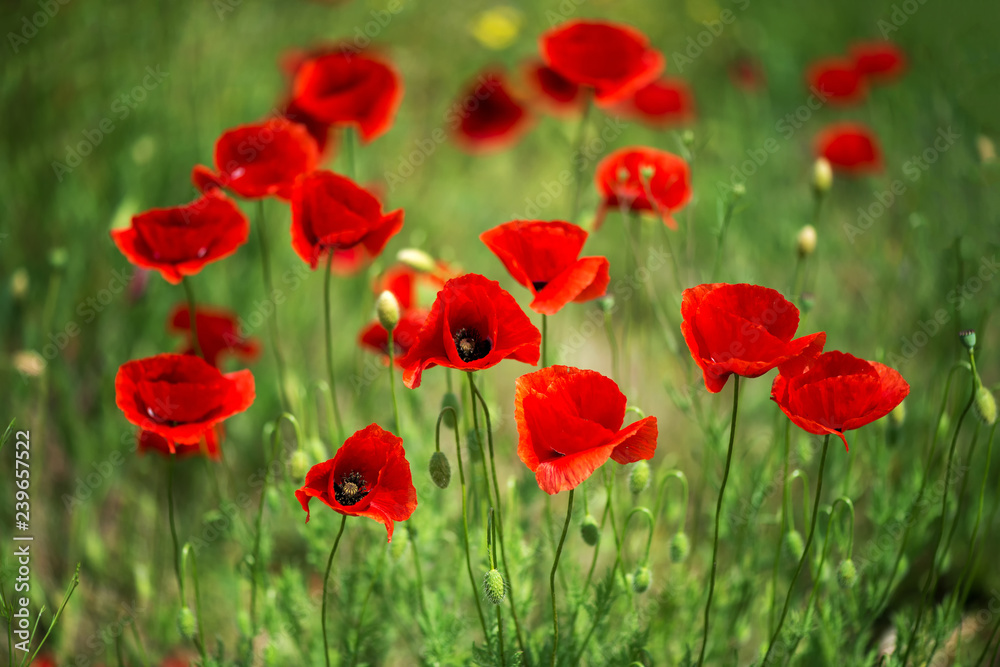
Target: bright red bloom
x,y
473,324
621,182
544,257
569,423
406,283
614,59
345,88
878,60
332,212
179,241
488,116
260,160
837,81
368,476
317,129
851,148
743,329
180,396
376,338
553,92
838,392
207,445
218,333
662,103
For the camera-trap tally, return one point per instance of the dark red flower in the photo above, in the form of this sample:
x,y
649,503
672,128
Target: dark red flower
x,y
332,212
837,81
553,92
368,476
473,324
487,117
838,392
662,103
851,148
544,257
179,241
208,445
743,329
317,129
180,396
569,423
376,338
44,660
623,182
878,60
346,88
260,160
218,333
614,59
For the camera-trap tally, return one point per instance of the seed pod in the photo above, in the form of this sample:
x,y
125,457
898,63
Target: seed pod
x,y
968,338
847,574
494,587
638,479
986,405
641,579
680,547
589,530
440,470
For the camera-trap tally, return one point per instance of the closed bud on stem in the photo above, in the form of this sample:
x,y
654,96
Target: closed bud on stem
x,y
808,302
638,479
606,303
641,579
739,190
299,464
646,172
449,400
847,574
186,622
805,242
589,530
19,284
440,470
387,310
687,138
943,425
822,176
986,405
417,259
968,338
58,257
793,545
680,547
494,587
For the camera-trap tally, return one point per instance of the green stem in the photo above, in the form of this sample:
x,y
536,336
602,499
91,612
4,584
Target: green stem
x,y
73,583
195,343
727,217
329,347
416,568
272,325
185,552
173,527
784,526
392,384
364,607
576,160
718,516
545,340
989,642
552,580
326,584
826,547
613,344
349,141
491,541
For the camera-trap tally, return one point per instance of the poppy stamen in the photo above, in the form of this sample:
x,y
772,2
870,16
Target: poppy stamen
x,y
539,285
351,489
469,346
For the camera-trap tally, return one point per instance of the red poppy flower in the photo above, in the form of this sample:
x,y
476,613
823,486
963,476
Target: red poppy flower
x,y
260,160
543,256
407,283
376,338
180,396
368,476
878,60
837,80
473,324
44,660
487,116
662,103
218,333
838,392
614,59
332,212
345,88
621,182
553,92
569,423
207,445
179,241
743,329
851,148
317,129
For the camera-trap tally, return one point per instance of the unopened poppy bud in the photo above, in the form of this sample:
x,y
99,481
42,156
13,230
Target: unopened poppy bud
x,y
793,545
449,400
606,303
186,623
822,175
808,300
387,310
299,464
943,425
638,479
806,241
19,283
589,530
680,547
642,579
494,587
687,138
417,259
898,415
58,257
739,189
986,405
847,574
968,338
440,470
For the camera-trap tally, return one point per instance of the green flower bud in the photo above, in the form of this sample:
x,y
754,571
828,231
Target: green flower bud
x,y
739,190
847,574
805,242
687,138
494,587
793,545
449,400
641,579
606,303
185,623
943,425
387,310
58,257
808,302
440,470
986,405
417,259
638,479
589,530
680,547
822,175
299,464
968,338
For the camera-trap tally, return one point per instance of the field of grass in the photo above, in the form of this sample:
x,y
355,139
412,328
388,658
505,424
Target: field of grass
x,y
108,105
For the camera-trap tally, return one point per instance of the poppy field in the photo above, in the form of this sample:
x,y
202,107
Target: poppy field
x,y
380,332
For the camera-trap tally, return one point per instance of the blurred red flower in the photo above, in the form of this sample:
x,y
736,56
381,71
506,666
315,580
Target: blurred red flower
x,y
375,338
331,212
643,179
544,257
368,476
851,148
662,103
180,396
614,59
747,73
837,81
552,92
878,60
743,329
838,392
317,129
490,117
208,445
218,333
569,423
342,87
473,324
179,241
260,159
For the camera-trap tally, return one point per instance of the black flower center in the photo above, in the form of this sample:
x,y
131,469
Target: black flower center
x,y
351,489
470,346
539,285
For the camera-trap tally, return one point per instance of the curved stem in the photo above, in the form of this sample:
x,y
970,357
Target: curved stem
x,y
718,516
329,348
192,318
326,583
682,478
576,158
552,579
185,552
826,547
272,326
650,521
